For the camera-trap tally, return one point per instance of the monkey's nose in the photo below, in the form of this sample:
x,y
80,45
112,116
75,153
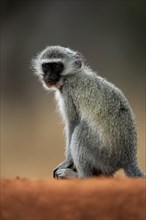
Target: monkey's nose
x,y
51,79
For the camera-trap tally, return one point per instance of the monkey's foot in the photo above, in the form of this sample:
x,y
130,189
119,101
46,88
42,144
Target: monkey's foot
x,y
66,173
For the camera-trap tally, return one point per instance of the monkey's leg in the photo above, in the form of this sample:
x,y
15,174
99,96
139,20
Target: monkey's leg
x,y
86,170
66,173
84,150
132,169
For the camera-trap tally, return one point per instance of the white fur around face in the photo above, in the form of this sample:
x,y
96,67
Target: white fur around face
x,y
69,59
60,103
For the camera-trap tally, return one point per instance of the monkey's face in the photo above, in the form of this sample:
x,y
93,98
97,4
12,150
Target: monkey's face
x,y
52,72
54,63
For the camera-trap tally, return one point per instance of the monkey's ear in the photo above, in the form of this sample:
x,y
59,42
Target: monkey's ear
x,y
78,60
78,63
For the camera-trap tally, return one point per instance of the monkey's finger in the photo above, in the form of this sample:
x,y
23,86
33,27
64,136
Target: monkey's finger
x,y
54,172
64,173
59,176
60,173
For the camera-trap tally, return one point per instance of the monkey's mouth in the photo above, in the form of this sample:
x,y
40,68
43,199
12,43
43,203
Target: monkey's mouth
x,y
51,82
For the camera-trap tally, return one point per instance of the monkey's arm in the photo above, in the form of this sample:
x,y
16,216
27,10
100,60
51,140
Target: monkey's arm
x,y
68,163
70,126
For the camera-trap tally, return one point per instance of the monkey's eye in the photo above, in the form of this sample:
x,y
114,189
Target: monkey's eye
x,y
45,67
52,67
58,67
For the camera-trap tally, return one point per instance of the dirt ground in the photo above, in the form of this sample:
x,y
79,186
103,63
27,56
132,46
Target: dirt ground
x,y
97,198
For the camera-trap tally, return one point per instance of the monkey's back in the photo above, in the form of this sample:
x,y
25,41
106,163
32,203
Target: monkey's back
x,y
105,108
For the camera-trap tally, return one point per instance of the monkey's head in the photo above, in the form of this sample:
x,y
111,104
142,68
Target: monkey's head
x,y
54,63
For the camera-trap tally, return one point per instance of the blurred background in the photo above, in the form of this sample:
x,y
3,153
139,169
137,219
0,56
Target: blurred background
x,y
111,36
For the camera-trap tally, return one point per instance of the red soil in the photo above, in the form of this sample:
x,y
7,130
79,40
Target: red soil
x,y
97,198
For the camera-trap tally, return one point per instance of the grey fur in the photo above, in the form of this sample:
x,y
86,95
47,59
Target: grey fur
x,y
101,135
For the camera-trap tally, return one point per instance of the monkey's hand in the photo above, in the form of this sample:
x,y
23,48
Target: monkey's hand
x,y
65,164
66,173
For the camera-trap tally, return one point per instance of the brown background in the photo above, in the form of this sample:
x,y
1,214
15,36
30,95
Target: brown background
x,y
110,34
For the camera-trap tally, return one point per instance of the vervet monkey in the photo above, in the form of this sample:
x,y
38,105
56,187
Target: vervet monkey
x,y
101,135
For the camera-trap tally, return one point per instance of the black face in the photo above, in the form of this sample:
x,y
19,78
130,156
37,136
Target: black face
x,y
52,72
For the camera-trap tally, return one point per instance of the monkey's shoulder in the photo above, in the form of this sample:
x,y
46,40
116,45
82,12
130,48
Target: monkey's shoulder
x,y
92,85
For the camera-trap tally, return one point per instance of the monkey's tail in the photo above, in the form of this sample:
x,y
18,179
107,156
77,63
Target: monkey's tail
x,y
133,170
